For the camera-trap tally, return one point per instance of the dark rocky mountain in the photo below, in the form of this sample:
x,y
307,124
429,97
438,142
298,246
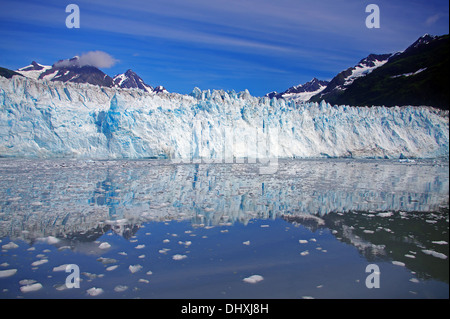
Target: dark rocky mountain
x,y
346,78
417,76
7,73
84,74
130,79
301,92
71,71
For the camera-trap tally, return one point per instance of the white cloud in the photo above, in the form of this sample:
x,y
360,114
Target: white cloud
x,y
97,59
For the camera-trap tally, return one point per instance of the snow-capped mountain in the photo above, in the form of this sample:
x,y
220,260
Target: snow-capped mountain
x,y
34,70
71,71
345,78
67,71
423,40
130,79
65,119
302,92
416,76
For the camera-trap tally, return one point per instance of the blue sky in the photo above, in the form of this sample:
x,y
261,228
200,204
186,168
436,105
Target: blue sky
x,y
259,45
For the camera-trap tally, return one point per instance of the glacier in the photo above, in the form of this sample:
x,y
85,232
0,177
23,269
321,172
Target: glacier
x,y
44,119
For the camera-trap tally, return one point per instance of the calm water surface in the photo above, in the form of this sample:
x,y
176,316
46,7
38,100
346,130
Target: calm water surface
x,y
154,229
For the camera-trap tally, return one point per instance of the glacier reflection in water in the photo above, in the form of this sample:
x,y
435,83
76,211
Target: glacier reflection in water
x,y
388,210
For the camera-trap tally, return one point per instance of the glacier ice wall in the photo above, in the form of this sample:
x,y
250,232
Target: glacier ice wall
x,y
55,119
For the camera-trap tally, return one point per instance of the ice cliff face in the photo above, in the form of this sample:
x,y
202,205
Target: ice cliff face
x,y
52,119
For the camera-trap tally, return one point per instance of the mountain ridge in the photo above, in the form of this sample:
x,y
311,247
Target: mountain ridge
x,y
416,76
71,71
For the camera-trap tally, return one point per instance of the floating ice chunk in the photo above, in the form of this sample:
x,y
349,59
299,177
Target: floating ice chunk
x,y
31,288
414,280
60,287
367,231
10,245
140,246
313,239
106,261
145,281
179,257
254,279
104,245
39,262
165,241
387,214
304,253
111,268
7,273
398,263
51,240
265,226
134,268
94,291
440,242
307,297
60,268
149,272
246,242
122,253
120,288
410,256
141,256
434,253
25,282
303,241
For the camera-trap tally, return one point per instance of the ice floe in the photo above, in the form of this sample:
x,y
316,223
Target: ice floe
x,y
39,262
30,288
120,288
254,279
398,263
134,268
7,273
434,253
104,245
440,242
179,257
10,245
61,267
94,291
51,240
